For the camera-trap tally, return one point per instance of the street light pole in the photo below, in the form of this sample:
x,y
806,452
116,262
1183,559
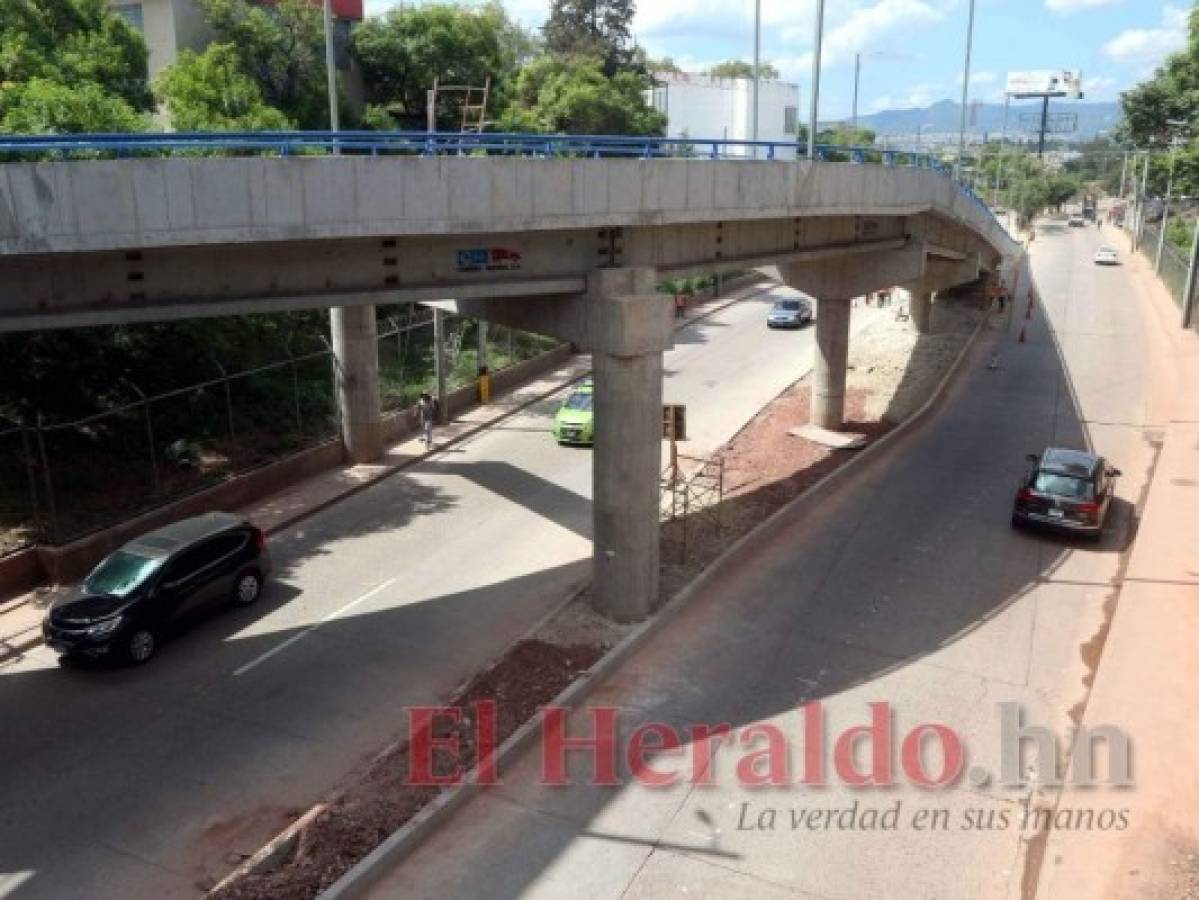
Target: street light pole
x,y
965,90
1161,238
816,79
857,75
757,67
331,68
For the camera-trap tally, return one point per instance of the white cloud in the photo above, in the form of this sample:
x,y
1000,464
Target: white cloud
x,y
1065,7
867,27
1145,48
1100,87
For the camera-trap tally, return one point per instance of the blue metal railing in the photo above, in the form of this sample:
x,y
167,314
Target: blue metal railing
x,y
421,143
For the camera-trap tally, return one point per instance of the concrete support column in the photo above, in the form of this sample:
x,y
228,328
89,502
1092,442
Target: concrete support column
x,y
356,351
920,306
832,357
439,363
626,472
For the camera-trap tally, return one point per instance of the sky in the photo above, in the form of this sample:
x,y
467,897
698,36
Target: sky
x,y
912,50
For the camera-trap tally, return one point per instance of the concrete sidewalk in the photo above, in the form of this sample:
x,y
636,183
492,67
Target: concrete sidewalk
x,y
20,617
1147,684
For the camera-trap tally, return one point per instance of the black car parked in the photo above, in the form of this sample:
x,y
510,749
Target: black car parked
x,y
1067,490
154,584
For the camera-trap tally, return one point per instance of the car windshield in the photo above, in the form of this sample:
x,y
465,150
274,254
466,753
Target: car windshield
x,y
1106,250
787,305
580,401
1062,485
121,574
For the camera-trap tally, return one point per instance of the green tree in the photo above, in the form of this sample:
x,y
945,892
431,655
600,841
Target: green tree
x,y
209,92
664,64
402,52
593,28
739,68
572,95
282,47
70,65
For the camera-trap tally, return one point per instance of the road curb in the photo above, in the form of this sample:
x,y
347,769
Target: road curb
x,y
413,833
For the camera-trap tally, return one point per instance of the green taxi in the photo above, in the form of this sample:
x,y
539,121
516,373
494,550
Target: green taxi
x,y
575,420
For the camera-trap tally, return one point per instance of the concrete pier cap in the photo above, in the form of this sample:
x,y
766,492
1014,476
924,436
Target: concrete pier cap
x,y
834,283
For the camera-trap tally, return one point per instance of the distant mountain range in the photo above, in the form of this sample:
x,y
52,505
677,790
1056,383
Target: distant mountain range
x,y
943,118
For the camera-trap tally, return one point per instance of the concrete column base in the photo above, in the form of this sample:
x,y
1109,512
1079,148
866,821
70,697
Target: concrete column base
x,y
626,484
356,349
832,357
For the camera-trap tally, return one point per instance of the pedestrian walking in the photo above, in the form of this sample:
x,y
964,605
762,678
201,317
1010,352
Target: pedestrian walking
x,y
426,408
680,306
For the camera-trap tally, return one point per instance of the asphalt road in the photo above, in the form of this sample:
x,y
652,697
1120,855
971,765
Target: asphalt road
x,y
149,782
907,588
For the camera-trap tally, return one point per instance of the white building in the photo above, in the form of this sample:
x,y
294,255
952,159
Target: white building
x,y
706,107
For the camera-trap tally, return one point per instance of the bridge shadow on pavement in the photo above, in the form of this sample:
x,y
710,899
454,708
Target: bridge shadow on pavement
x,y
908,586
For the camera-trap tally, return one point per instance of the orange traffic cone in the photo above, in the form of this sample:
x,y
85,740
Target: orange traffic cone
x,y
1020,340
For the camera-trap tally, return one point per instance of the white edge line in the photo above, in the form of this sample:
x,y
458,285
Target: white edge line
x,y
295,638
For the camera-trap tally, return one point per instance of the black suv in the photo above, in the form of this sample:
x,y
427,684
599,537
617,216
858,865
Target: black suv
x,y
1067,490
155,583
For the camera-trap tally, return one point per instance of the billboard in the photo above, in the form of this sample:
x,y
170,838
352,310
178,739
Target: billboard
x,y
1047,83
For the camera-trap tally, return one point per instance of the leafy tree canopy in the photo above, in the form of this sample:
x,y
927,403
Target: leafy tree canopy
x,y
593,28
402,52
209,92
739,68
282,47
572,95
70,65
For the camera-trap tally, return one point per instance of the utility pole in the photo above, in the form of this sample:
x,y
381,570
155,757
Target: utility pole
x,y
965,90
816,79
757,67
1124,175
1161,238
857,76
331,69
1140,200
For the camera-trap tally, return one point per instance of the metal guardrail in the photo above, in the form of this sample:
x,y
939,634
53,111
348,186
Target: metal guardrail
x,y
423,143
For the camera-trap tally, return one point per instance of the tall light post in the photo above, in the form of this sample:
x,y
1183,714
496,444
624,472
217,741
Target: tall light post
x,y
965,89
331,69
816,79
757,68
857,77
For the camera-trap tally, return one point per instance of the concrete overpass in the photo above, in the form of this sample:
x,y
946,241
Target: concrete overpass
x,y
566,247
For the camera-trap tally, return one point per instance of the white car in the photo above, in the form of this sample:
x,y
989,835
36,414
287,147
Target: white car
x,y
1107,256
1076,222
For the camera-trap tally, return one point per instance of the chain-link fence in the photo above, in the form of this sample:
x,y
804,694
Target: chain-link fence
x,y
692,491
406,365
62,480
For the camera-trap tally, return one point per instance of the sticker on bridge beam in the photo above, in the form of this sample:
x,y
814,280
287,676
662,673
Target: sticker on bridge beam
x,y
493,259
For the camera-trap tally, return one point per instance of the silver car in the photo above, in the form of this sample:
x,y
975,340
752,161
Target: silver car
x,y
789,314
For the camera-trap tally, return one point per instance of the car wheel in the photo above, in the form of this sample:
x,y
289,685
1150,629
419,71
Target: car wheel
x,y
140,646
247,587
1015,521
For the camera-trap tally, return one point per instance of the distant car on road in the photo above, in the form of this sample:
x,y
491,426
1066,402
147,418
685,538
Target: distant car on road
x,y
1107,256
1066,490
1076,222
575,420
789,314
156,584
